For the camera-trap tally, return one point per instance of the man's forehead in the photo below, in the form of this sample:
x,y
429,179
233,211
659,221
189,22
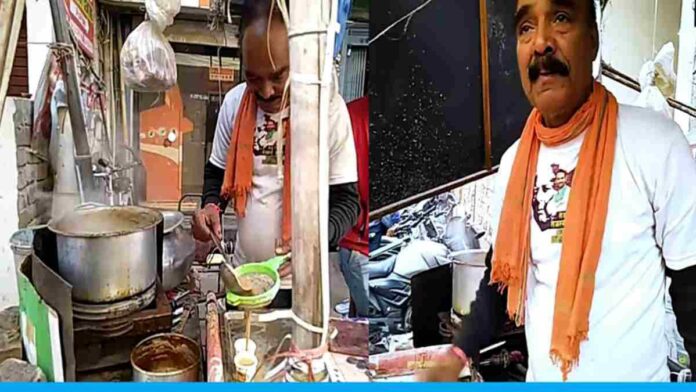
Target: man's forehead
x,y
528,5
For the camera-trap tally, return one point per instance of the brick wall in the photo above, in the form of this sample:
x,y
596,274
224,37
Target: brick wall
x,y
34,184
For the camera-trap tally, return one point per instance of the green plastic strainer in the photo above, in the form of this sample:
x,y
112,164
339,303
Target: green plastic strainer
x,y
269,268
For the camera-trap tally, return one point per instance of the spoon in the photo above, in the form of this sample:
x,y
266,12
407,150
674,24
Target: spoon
x,y
228,273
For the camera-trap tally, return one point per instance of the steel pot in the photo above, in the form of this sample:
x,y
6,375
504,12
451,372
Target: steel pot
x,y
178,250
107,253
468,269
166,357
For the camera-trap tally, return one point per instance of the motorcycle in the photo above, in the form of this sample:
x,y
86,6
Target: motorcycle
x,y
424,238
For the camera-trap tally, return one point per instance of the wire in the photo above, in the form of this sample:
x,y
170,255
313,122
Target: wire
x,y
407,16
268,36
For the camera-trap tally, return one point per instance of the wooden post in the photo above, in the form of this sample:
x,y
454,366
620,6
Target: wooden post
x,y
309,214
485,85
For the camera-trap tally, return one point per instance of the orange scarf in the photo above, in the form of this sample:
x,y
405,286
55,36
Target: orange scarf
x,y
240,163
584,222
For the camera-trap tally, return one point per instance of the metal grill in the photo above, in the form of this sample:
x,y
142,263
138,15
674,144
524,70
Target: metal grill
x,y
354,69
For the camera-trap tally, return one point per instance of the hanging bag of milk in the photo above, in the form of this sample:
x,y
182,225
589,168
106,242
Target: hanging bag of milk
x,y
147,59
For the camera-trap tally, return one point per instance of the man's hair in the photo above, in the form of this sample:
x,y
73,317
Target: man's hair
x,y
254,10
592,13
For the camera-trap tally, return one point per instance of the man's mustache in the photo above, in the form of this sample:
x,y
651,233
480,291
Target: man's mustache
x,y
547,64
269,99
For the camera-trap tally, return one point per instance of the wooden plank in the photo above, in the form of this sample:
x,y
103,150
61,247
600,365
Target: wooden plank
x,y
15,17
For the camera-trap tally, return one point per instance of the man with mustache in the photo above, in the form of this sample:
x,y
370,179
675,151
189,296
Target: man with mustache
x,y
250,162
590,289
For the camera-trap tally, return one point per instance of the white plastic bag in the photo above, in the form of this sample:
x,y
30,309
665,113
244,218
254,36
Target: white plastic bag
x,y
147,60
657,81
162,12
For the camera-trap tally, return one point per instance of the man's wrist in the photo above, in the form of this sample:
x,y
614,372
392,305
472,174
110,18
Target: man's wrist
x,y
214,206
459,354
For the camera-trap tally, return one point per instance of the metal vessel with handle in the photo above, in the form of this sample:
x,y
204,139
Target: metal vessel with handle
x,y
178,250
468,269
107,253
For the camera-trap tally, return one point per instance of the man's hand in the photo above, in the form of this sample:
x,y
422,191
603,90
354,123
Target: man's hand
x,y
447,370
391,232
286,268
206,222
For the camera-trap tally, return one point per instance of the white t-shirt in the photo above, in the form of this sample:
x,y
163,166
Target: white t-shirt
x,y
651,218
259,230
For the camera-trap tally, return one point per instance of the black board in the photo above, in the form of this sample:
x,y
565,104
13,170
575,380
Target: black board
x,y
509,105
426,119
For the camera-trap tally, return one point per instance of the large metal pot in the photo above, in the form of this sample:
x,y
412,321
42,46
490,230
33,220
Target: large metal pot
x,y
107,253
178,251
468,268
166,357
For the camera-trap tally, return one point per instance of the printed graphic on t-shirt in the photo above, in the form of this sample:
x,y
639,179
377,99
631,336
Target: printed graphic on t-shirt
x,y
550,201
265,141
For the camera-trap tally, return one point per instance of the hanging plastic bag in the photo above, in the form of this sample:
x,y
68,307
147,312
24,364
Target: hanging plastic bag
x,y
148,63
162,12
657,81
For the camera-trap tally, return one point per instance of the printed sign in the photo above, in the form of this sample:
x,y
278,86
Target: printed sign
x,y
221,74
81,17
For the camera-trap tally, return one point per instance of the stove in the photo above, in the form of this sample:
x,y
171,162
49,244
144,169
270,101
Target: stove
x,y
114,312
104,342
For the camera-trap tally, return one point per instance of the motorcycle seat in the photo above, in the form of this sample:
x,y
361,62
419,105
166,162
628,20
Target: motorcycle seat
x,y
390,288
381,268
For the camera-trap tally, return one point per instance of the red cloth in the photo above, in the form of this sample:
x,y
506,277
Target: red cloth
x,y
358,238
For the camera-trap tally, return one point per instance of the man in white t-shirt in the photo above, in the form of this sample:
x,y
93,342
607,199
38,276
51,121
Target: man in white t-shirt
x,y
644,210
255,110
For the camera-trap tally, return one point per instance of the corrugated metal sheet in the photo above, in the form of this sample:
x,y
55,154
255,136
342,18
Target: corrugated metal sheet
x,y
354,68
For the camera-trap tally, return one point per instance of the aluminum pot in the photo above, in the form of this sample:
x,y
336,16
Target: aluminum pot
x,y
107,253
166,357
468,268
178,251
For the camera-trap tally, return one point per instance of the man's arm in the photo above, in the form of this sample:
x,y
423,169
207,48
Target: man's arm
x,y
213,177
486,319
683,291
344,209
675,224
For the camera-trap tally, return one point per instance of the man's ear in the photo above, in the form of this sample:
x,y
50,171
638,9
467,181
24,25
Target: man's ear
x,y
595,41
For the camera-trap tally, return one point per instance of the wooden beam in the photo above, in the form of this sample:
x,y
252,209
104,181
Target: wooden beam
x,y
485,85
12,11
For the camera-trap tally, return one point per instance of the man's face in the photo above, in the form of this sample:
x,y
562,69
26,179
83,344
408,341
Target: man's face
x,y
560,180
556,44
265,81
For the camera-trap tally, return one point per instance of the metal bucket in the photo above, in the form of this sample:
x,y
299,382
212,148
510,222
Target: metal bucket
x,y
22,244
468,268
166,357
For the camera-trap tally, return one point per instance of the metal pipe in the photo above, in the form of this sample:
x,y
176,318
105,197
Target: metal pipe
x,y
396,206
622,78
83,157
215,371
